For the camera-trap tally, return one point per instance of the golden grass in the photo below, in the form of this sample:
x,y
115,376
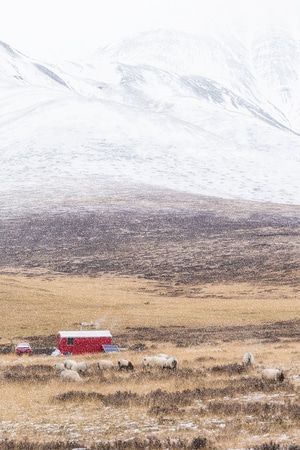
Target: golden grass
x,y
44,305
32,409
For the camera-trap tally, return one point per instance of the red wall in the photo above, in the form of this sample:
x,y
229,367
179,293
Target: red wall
x,y
82,345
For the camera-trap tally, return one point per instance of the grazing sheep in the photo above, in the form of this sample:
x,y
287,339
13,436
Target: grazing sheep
x,y
273,375
171,363
80,367
70,375
146,361
68,363
124,364
154,361
248,359
104,364
59,366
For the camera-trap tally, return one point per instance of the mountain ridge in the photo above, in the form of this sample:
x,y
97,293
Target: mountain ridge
x,y
119,118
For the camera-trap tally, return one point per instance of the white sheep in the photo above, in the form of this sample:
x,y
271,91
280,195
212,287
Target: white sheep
x,y
68,363
171,363
104,364
80,367
70,375
146,360
154,361
248,359
273,375
59,366
124,364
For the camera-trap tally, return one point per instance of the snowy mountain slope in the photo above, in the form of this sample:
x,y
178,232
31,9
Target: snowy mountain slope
x,y
276,65
129,116
226,59
18,69
158,89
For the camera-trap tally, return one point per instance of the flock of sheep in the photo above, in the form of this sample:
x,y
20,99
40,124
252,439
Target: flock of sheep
x,y
71,370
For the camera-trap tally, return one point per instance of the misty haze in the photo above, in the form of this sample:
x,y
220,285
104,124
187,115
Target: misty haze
x,y
150,193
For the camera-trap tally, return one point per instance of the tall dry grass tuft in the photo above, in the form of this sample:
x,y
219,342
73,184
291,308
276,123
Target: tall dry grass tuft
x,y
149,443
30,373
273,446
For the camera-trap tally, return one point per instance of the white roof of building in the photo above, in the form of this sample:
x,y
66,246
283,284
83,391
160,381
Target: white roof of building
x,y
23,344
85,333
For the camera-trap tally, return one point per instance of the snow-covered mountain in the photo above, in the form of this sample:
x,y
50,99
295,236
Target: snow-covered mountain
x,y
213,115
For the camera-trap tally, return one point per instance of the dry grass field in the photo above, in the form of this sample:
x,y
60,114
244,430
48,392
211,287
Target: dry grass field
x,y
42,305
209,397
209,401
202,285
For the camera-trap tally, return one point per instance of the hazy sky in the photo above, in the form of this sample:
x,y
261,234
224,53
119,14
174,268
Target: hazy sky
x,y
70,29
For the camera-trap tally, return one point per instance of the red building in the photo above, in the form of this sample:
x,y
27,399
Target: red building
x,y
78,342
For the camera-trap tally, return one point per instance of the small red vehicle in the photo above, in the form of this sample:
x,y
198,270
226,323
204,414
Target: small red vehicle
x,y
22,348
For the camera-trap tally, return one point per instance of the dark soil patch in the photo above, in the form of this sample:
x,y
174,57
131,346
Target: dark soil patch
x,y
178,239
183,337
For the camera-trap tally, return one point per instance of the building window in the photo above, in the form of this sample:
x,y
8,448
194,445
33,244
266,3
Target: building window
x,y
70,341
